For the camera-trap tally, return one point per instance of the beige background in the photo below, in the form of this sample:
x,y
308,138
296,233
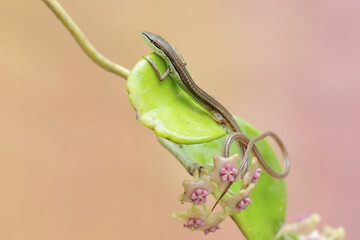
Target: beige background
x,y
75,163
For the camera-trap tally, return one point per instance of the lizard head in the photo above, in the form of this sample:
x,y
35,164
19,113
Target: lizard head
x,y
155,41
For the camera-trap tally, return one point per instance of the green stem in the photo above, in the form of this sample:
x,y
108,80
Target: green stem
x,y
84,43
175,150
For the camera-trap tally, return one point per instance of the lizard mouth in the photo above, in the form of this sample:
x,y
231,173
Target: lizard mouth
x,y
146,34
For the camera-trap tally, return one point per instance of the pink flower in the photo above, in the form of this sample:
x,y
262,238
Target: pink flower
x,y
212,223
224,171
228,173
194,223
199,195
256,175
193,218
242,205
196,191
212,229
239,200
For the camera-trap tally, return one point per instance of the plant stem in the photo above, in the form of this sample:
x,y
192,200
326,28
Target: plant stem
x,y
175,150
84,43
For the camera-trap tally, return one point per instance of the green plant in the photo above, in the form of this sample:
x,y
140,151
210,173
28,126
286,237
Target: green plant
x,y
194,141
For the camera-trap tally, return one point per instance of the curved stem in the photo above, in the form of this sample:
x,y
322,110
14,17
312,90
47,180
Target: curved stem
x,y
84,43
175,150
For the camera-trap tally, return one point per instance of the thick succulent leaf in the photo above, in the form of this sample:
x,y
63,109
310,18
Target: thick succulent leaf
x,y
264,217
165,108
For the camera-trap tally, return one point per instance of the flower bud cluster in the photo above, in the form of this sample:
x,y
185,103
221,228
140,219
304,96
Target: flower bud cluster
x,y
305,228
214,180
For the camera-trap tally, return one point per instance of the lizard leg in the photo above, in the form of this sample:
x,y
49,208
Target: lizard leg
x,y
157,71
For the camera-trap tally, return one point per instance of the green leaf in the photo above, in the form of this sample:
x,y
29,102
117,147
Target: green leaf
x,y
264,217
165,108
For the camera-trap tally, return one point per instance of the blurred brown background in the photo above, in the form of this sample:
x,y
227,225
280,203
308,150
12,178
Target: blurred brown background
x,y
75,163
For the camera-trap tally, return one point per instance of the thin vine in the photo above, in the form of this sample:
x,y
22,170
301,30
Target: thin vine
x,y
84,43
